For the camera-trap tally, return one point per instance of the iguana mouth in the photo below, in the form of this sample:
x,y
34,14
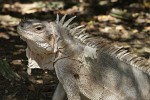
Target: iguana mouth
x,y
43,45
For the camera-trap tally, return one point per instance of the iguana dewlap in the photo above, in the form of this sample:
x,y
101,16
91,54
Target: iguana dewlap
x,y
84,64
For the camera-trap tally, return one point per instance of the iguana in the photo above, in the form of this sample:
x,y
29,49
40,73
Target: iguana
x,y
85,65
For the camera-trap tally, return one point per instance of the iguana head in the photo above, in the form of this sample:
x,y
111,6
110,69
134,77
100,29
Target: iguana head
x,y
47,36
38,34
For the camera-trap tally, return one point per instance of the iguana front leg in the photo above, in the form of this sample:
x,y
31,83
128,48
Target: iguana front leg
x,y
59,93
64,70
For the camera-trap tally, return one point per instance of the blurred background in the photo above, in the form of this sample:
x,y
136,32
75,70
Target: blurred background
x,y
124,22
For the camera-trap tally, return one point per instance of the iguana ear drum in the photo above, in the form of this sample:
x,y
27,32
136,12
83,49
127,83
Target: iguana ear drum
x,y
50,37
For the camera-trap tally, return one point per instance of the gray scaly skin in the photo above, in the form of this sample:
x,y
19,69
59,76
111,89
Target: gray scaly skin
x,y
85,65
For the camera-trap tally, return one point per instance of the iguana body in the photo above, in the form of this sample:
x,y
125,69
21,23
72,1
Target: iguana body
x,y
85,64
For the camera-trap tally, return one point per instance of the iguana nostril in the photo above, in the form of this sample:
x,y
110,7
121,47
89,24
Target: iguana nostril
x,y
24,25
21,25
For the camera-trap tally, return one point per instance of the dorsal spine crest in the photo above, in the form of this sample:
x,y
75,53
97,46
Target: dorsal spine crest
x,y
78,32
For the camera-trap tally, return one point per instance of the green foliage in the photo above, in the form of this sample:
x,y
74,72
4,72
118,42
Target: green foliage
x,y
7,71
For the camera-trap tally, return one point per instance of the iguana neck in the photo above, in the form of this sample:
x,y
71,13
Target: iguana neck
x,y
66,44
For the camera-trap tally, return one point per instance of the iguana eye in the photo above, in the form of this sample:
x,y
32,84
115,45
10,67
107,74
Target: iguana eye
x,y
39,28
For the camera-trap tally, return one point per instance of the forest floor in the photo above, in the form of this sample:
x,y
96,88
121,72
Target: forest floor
x,y
126,25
